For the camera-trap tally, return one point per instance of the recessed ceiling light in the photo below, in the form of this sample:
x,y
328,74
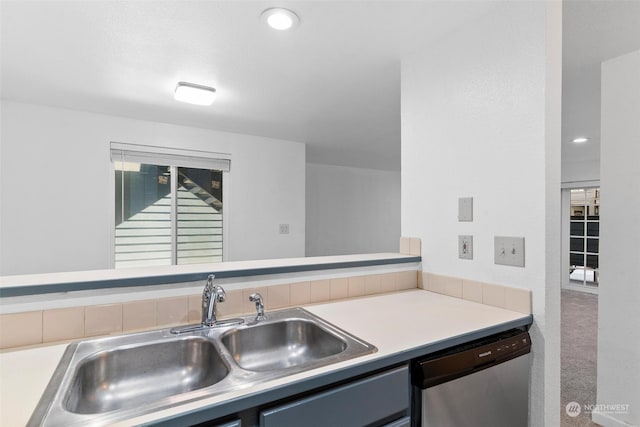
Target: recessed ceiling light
x,y
194,94
580,140
280,19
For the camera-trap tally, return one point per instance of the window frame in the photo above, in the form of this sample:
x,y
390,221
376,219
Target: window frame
x,y
161,155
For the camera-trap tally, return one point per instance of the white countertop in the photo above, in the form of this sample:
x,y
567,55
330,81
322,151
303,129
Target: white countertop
x,y
394,323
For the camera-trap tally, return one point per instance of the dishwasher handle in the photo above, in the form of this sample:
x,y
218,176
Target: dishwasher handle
x,y
435,370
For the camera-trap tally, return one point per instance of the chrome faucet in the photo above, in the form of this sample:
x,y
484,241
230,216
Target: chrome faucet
x,y
257,298
210,297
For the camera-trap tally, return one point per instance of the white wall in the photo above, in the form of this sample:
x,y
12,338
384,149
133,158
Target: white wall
x,y
481,118
580,171
619,298
55,182
580,162
352,210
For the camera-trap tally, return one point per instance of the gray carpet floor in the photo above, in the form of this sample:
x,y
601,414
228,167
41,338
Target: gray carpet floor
x,y
578,355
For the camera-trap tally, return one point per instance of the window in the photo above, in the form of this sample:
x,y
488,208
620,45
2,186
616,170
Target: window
x,y
168,206
584,243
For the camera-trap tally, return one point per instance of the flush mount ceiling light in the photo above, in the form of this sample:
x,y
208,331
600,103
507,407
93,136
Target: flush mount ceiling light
x,y
194,94
280,19
580,140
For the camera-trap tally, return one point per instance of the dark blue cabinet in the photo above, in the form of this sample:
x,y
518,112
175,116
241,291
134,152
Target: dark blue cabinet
x,y
371,400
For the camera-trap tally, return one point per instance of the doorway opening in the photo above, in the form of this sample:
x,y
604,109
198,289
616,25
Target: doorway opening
x,y
584,238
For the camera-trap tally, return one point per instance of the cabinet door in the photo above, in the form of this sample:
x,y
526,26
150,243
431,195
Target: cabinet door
x,y
359,403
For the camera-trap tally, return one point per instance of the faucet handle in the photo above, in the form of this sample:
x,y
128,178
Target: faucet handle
x,y
219,293
257,298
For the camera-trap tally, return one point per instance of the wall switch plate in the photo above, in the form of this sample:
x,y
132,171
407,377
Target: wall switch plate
x,y
508,251
284,228
465,209
465,247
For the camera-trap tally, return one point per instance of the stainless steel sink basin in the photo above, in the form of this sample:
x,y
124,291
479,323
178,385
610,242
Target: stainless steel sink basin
x,y
281,345
104,380
132,376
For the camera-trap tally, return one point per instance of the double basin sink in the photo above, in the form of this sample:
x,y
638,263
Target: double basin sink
x,y
109,379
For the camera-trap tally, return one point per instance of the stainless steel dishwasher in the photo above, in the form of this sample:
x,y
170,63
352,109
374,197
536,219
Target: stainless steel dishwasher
x,y
483,383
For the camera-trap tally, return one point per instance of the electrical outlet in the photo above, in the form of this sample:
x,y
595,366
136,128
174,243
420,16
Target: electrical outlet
x,y
284,228
508,251
465,209
465,247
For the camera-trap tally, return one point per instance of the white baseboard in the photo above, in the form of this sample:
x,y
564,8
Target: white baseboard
x,y
581,288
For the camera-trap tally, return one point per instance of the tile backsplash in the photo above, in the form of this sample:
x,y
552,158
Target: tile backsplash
x,y
102,319
411,246
20,329
139,315
63,324
54,325
509,297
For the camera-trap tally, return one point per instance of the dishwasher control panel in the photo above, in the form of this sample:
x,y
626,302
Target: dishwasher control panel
x,y
465,359
504,349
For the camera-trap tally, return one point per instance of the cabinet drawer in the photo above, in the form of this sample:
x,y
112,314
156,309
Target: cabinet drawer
x,y
356,404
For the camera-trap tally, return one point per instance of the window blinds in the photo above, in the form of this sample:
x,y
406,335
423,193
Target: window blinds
x,y
132,153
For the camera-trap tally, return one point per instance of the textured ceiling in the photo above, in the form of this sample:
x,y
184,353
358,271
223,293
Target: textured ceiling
x,y
593,31
333,83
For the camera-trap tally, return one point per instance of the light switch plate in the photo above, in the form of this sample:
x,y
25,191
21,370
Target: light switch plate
x,y
465,247
508,251
465,209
